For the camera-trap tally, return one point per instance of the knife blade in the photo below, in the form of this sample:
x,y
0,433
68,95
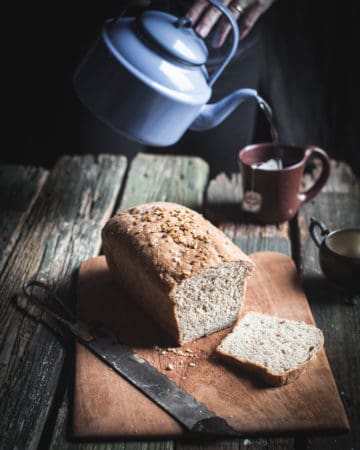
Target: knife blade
x,y
182,406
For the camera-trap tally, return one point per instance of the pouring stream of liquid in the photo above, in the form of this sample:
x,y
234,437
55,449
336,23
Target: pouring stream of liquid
x,y
255,201
265,107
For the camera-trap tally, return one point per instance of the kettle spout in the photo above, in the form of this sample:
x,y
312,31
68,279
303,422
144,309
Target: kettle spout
x,y
211,115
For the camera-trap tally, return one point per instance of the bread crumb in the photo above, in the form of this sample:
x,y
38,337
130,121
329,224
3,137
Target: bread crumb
x,y
170,367
176,351
192,364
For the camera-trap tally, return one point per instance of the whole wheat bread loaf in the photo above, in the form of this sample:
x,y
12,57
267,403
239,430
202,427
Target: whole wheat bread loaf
x,y
179,267
275,349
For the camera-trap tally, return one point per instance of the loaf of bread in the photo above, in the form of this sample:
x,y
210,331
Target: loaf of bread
x,y
179,267
276,350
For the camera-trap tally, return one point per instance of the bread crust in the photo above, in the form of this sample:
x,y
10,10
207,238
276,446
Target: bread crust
x,y
152,248
264,374
174,241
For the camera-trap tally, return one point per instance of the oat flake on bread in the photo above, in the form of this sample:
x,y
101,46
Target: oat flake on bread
x,y
179,267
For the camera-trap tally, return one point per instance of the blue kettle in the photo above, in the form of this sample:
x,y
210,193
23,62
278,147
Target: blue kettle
x,y
146,78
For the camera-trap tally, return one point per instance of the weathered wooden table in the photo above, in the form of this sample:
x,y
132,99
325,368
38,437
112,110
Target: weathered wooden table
x,y
50,222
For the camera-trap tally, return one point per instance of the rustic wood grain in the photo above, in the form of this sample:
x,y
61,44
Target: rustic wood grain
x,y
342,178
180,179
223,201
150,178
338,206
60,231
19,187
345,369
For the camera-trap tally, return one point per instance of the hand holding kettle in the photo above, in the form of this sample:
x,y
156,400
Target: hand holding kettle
x,y
206,17
146,77
247,12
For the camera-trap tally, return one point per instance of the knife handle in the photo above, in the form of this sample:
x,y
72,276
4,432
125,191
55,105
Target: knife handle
x,y
63,314
215,426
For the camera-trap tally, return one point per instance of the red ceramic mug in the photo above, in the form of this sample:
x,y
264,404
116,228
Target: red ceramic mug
x,y
273,194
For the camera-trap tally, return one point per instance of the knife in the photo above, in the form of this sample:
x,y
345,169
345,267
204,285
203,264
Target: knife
x,y
182,406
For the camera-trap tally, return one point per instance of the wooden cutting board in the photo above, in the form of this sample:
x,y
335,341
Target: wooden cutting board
x,y
106,405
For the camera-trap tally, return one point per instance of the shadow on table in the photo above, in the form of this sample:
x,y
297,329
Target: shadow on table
x,y
320,291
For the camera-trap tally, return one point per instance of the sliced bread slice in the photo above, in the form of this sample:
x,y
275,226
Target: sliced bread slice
x,y
276,350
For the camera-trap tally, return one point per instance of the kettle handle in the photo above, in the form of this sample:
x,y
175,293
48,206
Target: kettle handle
x,y
235,29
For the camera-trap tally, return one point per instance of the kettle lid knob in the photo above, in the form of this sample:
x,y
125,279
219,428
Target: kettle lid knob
x,y
173,36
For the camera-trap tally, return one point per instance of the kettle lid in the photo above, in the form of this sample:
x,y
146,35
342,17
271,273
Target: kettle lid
x,y
174,36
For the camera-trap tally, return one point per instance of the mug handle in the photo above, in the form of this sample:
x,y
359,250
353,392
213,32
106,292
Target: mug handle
x,y
314,224
325,172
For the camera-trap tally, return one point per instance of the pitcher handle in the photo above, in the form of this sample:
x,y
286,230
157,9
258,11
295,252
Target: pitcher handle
x,y
325,172
231,52
314,224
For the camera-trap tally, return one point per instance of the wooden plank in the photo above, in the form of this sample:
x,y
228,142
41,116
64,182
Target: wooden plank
x,y
280,443
338,206
223,208
62,229
180,179
223,201
342,179
19,187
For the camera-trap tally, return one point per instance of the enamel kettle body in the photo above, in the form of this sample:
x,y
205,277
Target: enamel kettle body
x,y
146,78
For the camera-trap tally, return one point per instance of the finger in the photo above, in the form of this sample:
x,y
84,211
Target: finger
x,y
209,19
196,10
220,35
246,22
250,17
224,27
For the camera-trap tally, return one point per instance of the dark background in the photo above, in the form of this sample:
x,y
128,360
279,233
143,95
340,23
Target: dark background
x,y
309,75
